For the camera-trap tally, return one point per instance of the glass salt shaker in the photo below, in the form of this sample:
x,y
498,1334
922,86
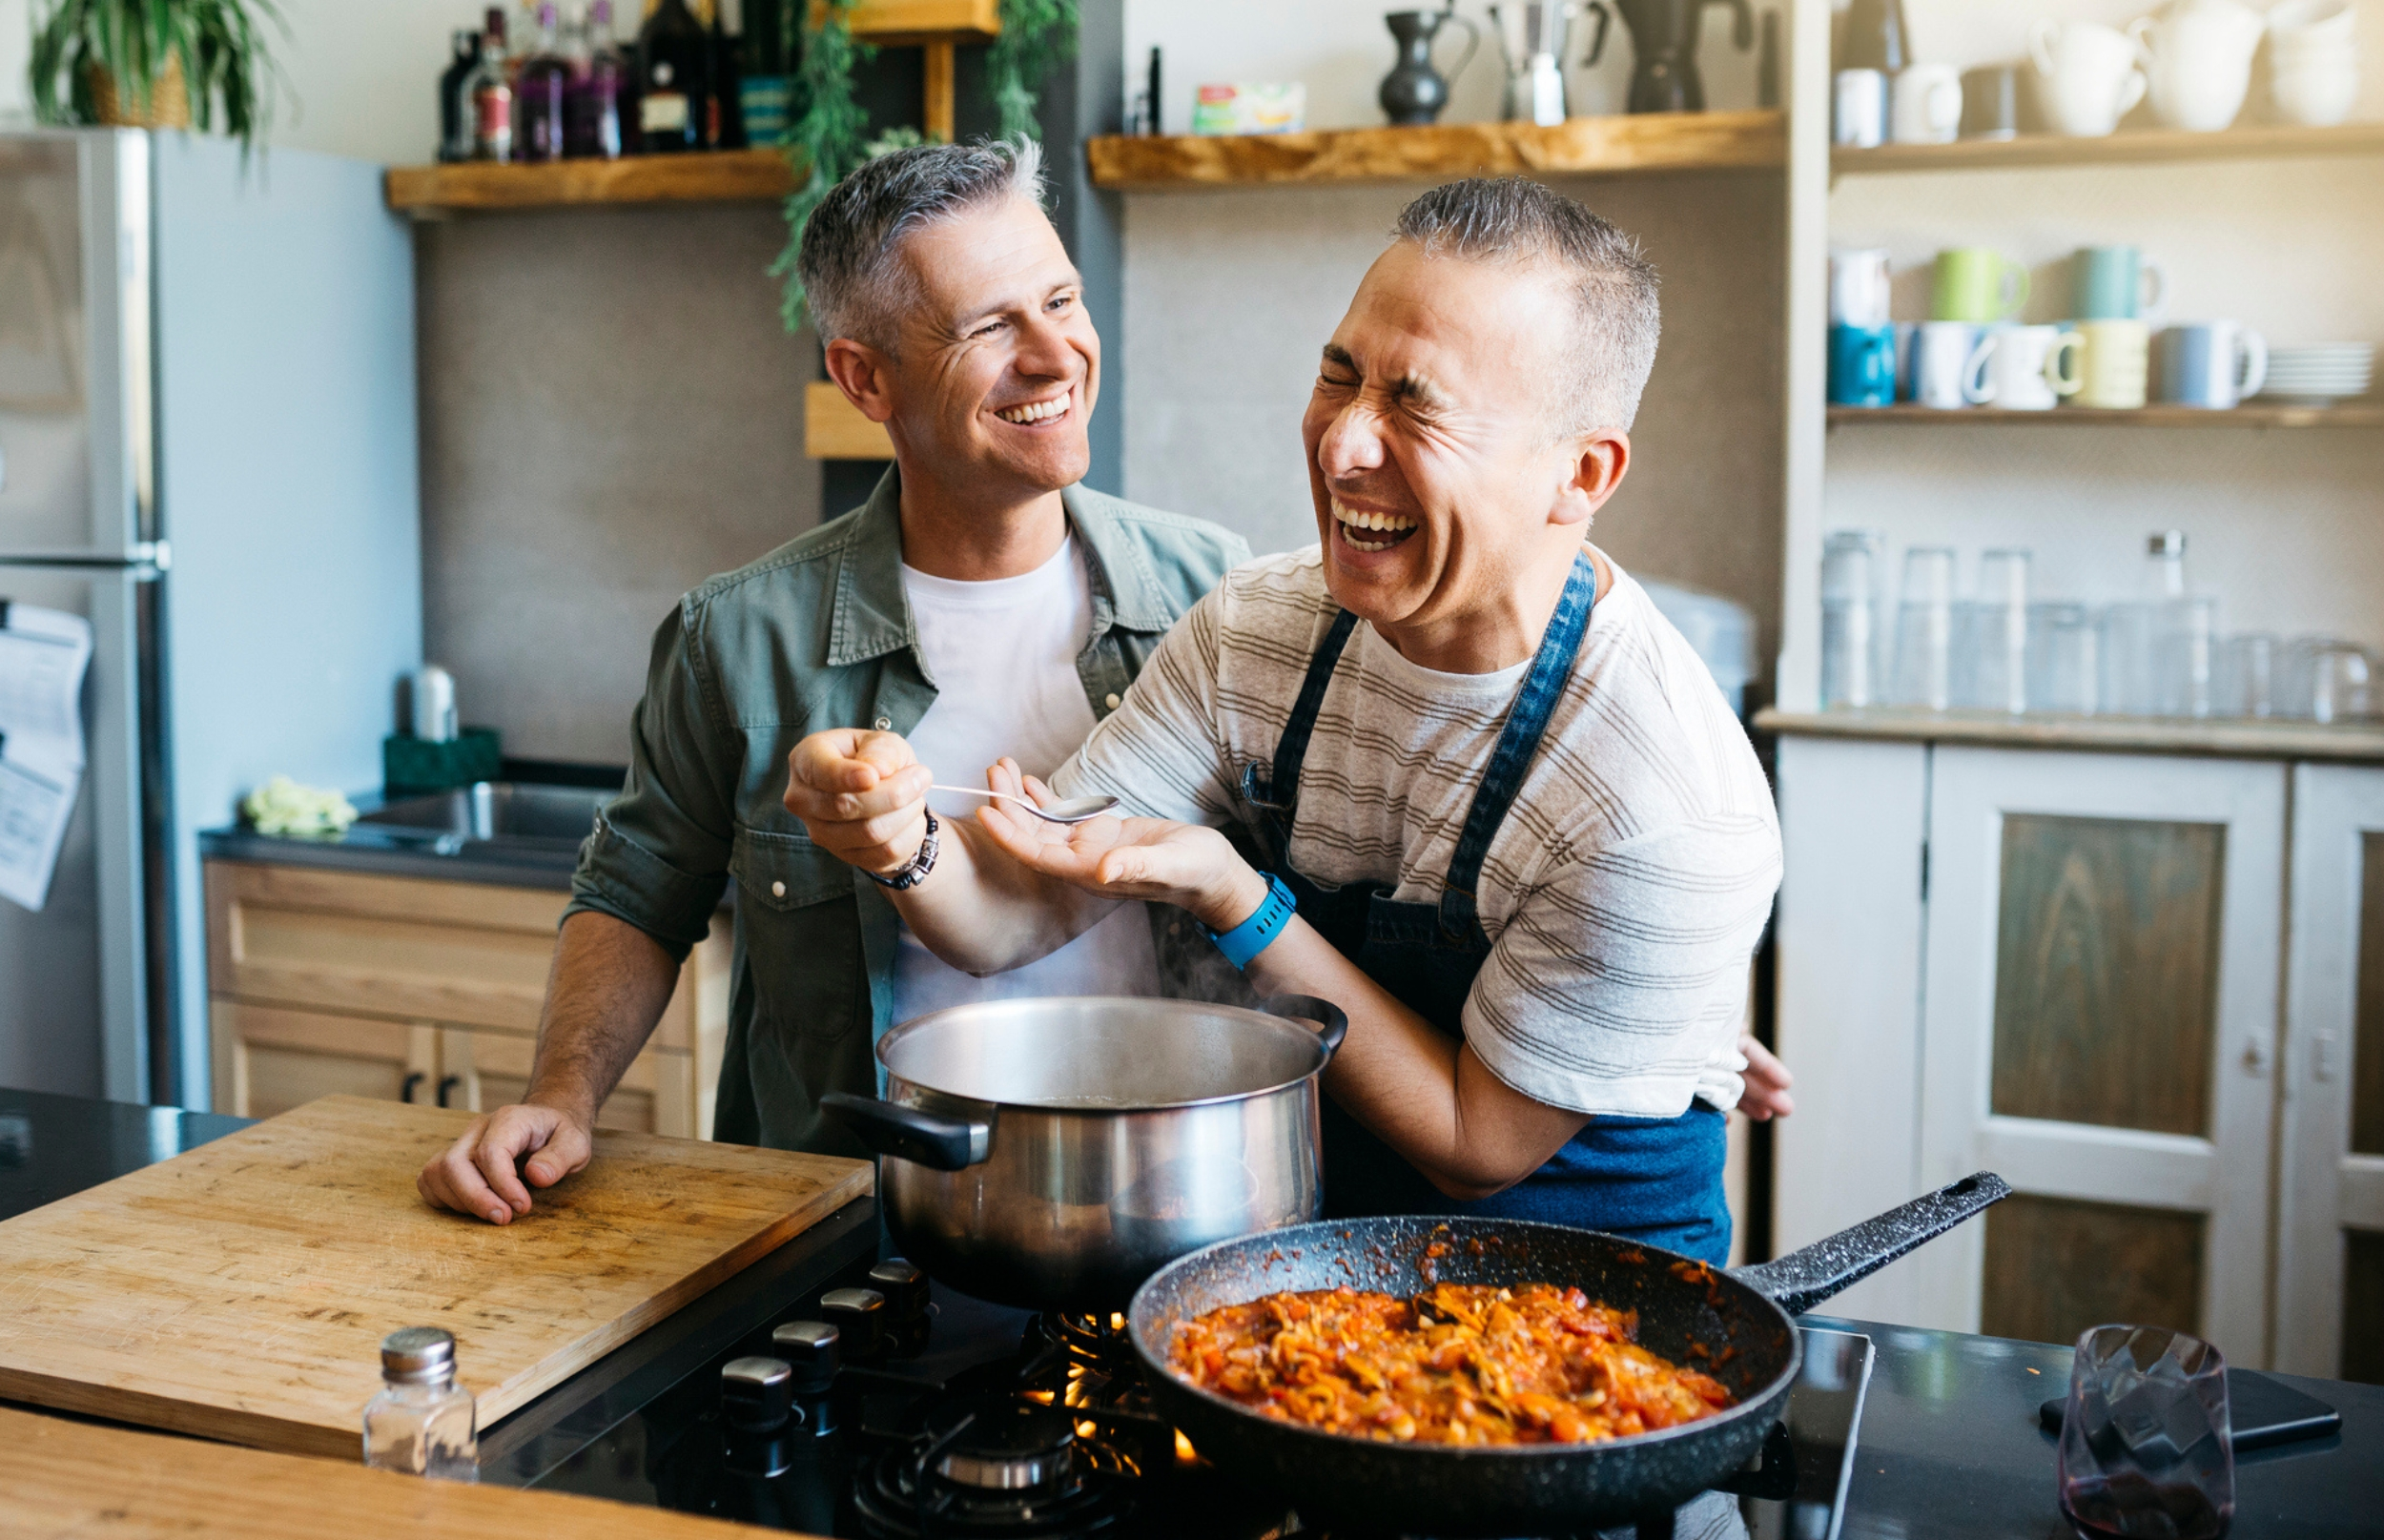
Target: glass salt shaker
x,y
422,1422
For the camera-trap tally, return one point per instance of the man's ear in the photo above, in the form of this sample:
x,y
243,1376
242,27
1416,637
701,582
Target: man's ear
x,y
864,374
1600,460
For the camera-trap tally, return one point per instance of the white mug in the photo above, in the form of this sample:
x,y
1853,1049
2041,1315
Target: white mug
x,y
2199,59
1862,102
1941,358
2299,25
2317,94
2086,75
1857,288
1927,105
2020,368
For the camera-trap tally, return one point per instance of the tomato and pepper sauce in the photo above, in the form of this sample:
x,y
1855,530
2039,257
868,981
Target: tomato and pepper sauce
x,y
1464,1364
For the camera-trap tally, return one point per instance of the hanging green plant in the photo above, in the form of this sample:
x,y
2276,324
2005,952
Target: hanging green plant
x,y
157,64
830,136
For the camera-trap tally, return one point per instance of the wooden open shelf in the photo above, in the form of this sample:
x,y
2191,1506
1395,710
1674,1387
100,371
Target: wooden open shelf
x,y
2252,415
2258,142
908,22
1602,146
834,428
712,177
2276,738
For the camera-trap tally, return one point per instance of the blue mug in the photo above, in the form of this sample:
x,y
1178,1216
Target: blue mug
x,y
1862,365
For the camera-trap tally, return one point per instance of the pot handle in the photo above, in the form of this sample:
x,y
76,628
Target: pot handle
x,y
1332,1023
911,1134
1801,1279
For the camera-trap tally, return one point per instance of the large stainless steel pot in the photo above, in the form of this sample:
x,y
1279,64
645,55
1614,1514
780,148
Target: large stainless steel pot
x,y
1055,1153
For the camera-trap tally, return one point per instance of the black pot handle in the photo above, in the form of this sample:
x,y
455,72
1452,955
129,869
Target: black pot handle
x,y
1332,1023
1801,1279
911,1134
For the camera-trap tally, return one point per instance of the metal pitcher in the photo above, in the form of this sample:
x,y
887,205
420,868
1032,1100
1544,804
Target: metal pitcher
x,y
1532,35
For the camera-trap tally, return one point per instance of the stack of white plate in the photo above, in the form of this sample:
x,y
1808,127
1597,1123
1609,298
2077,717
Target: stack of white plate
x,y
2320,372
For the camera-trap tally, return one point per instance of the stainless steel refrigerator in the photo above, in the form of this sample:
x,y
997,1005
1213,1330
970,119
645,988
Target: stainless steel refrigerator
x,y
208,448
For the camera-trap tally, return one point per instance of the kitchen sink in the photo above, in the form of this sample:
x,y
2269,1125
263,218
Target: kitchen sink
x,y
506,810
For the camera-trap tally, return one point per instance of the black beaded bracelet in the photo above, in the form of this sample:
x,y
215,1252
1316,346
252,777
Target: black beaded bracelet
x,y
913,871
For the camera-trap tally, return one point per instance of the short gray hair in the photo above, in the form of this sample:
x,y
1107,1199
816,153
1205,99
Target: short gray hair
x,y
1511,219
848,262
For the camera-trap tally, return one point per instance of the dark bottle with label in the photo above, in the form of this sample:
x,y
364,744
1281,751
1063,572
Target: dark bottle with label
x,y
455,103
539,91
1877,36
490,88
673,67
724,115
591,102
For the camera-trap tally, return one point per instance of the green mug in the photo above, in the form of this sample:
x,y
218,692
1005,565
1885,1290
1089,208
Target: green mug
x,y
1979,285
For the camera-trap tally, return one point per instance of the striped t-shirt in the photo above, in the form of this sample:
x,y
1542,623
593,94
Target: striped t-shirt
x,y
1623,894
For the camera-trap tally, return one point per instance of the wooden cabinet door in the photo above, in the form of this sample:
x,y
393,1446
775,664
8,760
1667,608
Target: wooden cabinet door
x,y
482,1071
2329,1288
2099,1022
269,1059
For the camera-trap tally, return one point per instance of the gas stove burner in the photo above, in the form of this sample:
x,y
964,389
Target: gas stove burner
x,y
1097,1342
991,1468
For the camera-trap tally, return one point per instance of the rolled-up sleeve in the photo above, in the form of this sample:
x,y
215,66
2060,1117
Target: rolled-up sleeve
x,y
658,857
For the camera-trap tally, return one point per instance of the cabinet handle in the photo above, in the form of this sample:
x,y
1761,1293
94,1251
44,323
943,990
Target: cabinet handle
x,y
447,1084
413,1082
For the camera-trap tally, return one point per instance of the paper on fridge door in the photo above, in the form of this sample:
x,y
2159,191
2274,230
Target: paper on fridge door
x,y
43,656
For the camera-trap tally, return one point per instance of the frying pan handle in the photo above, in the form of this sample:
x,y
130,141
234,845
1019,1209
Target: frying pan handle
x,y
1801,1279
910,1134
1332,1023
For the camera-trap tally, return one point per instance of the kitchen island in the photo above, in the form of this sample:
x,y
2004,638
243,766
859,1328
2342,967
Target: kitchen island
x,y
1948,1445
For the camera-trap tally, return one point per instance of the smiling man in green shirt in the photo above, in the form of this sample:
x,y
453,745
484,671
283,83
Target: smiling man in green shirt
x,y
954,316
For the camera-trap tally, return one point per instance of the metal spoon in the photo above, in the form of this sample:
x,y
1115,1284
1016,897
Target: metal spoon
x,y
1073,810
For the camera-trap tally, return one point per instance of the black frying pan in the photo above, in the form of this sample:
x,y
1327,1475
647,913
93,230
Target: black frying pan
x,y
1742,1320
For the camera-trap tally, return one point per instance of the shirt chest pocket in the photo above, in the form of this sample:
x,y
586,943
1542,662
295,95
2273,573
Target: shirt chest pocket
x,y
785,871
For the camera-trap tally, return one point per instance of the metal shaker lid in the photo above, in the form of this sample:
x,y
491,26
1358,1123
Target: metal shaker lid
x,y
417,1355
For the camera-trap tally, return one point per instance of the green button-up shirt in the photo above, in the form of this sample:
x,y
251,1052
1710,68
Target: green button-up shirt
x,y
818,635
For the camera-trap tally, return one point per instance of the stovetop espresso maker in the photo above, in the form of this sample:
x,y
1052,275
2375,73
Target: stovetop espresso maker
x,y
1664,42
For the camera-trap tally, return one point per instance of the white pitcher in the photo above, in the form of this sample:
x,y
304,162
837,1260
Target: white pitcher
x,y
2200,55
2086,75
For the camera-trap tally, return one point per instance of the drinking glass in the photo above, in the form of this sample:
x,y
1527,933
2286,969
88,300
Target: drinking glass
x,y
2246,676
1993,657
1850,572
2063,673
1924,629
2127,650
2339,681
2186,655
2146,1446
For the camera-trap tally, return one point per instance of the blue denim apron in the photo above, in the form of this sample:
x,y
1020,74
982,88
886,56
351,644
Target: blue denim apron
x,y
1658,1180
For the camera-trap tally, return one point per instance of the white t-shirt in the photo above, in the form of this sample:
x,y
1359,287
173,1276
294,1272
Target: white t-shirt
x,y
1623,894
1002,656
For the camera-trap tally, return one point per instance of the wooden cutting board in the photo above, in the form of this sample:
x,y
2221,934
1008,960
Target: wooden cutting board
x,y
240,1292
75,1481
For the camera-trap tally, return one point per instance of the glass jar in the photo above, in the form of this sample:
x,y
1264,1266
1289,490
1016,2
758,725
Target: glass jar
x,y
422,1422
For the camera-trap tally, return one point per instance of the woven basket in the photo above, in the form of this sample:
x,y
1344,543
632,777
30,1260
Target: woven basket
x,y
168,100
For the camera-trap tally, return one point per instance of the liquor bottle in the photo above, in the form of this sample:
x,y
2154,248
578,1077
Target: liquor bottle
x,y
538,94
422,1422
455,103
1877,36
672,71
762,87
491,89
724,110
592,103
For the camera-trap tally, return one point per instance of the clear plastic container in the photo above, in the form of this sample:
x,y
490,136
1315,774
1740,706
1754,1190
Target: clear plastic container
x,y
422,1422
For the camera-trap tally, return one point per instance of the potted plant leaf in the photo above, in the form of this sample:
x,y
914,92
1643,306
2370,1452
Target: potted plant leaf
x,y
156,64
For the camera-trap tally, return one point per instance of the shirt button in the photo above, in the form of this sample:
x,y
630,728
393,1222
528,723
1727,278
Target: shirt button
x,y
1112,699
777,889
885,724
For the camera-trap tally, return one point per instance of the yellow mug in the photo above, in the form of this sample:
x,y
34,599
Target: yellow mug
x,y
2115,365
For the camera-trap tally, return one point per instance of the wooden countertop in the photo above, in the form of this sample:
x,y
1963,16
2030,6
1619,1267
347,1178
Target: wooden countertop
x,y
60,1478
2348,742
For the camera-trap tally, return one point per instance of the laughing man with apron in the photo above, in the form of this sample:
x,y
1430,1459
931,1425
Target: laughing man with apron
x,y
1501,815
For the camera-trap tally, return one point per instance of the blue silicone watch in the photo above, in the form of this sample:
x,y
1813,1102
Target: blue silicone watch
x,y
1253,935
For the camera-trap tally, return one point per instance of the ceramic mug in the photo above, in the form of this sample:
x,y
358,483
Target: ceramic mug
x,y
1941,356
2020,368
2198,57
1978,284
1862,365
1861,101
2086,75
1857,287
1990,102
2115,283
1927,106
2317,95
2212,363
2115,365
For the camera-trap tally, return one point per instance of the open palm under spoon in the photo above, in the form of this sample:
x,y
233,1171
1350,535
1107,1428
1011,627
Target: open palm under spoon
x,y
1073,810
